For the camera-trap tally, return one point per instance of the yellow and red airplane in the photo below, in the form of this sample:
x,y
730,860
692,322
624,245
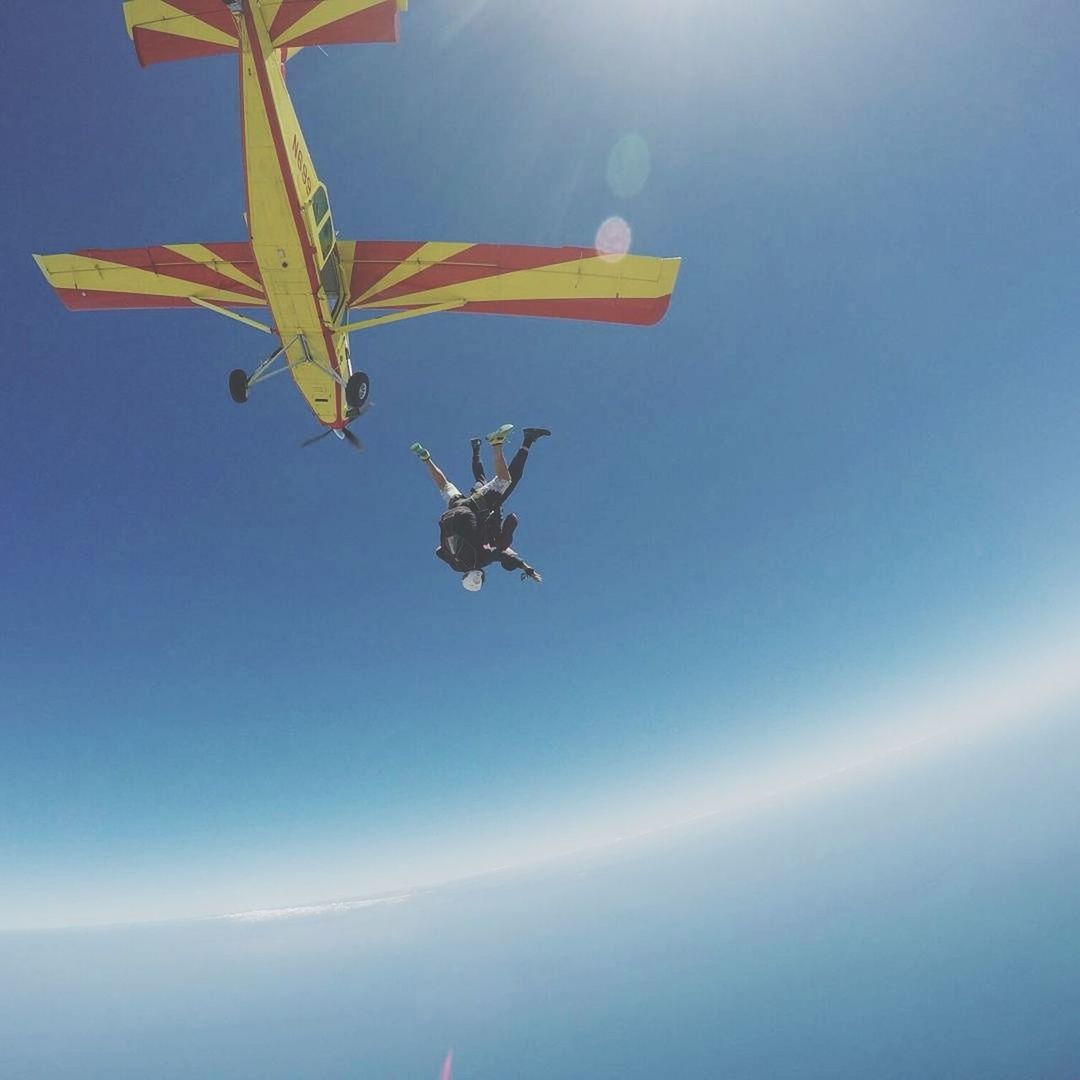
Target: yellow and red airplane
x,y
294,264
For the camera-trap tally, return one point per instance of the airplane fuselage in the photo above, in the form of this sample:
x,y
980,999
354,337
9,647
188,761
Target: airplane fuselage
x,y
292,232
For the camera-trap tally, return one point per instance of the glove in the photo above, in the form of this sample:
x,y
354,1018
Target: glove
x,y
532,573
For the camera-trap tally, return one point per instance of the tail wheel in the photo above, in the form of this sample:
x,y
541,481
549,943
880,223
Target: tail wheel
x,y
238,386
356,390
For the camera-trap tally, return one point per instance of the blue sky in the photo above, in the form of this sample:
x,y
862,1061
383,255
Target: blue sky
x,y
838,479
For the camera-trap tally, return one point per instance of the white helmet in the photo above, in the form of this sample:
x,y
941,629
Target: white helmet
x,y
473,580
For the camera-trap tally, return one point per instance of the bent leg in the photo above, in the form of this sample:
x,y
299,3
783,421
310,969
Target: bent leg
x,y
506,533
477,464
517,467
501,471
437,475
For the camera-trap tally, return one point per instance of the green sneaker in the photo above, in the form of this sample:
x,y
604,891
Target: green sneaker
x,y
420,452
498,436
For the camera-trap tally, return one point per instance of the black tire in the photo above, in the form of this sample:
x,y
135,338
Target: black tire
x,y
356,390
238,386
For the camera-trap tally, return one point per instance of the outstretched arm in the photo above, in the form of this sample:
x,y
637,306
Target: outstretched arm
x,y
511,560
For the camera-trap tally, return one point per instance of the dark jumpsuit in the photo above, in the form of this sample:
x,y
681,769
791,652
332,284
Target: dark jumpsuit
x,y
494,544
501,532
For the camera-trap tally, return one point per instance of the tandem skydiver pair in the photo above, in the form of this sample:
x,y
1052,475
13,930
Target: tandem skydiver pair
x,y
473,533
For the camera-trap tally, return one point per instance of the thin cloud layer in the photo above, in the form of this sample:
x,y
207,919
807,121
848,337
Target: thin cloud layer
x,y
304,911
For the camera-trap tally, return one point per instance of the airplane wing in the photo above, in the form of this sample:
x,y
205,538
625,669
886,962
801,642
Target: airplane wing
x,y
156,277
500,279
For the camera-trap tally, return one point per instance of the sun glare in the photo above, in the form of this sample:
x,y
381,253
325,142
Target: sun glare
x,y
613,239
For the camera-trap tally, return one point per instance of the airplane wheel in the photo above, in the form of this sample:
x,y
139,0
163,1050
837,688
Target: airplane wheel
x,y
356,390
238,386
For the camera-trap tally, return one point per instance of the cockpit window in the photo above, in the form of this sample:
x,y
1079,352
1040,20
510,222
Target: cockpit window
x,y
329,273
330,276
319,204
326,237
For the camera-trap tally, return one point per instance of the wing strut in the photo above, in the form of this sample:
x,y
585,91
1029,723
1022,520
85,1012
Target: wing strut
x,y
231,314
397,316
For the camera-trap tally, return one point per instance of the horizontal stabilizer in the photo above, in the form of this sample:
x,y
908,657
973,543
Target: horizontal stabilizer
x,y
504,279
157,277
185,29
180,29
293,23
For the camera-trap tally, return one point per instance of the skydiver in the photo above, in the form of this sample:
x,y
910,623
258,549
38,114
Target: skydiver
x,y
472,532
496,532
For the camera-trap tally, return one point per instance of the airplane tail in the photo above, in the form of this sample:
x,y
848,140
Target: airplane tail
x,y
186,29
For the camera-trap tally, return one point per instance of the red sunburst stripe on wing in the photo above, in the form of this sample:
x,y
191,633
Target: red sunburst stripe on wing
x,y
179,266
523,256
479,262
374,25
374,260
137,257
77,300
168,263
288,14
240,255
635,312
212,12
154,47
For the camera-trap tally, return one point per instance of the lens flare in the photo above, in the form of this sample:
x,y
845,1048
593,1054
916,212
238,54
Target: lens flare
x,y
613,239
447,1071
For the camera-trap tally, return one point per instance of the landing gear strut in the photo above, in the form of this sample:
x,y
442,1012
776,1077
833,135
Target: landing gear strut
x,y
356,389
240,382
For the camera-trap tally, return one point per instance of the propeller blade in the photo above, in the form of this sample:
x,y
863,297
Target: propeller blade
x,y
342,433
